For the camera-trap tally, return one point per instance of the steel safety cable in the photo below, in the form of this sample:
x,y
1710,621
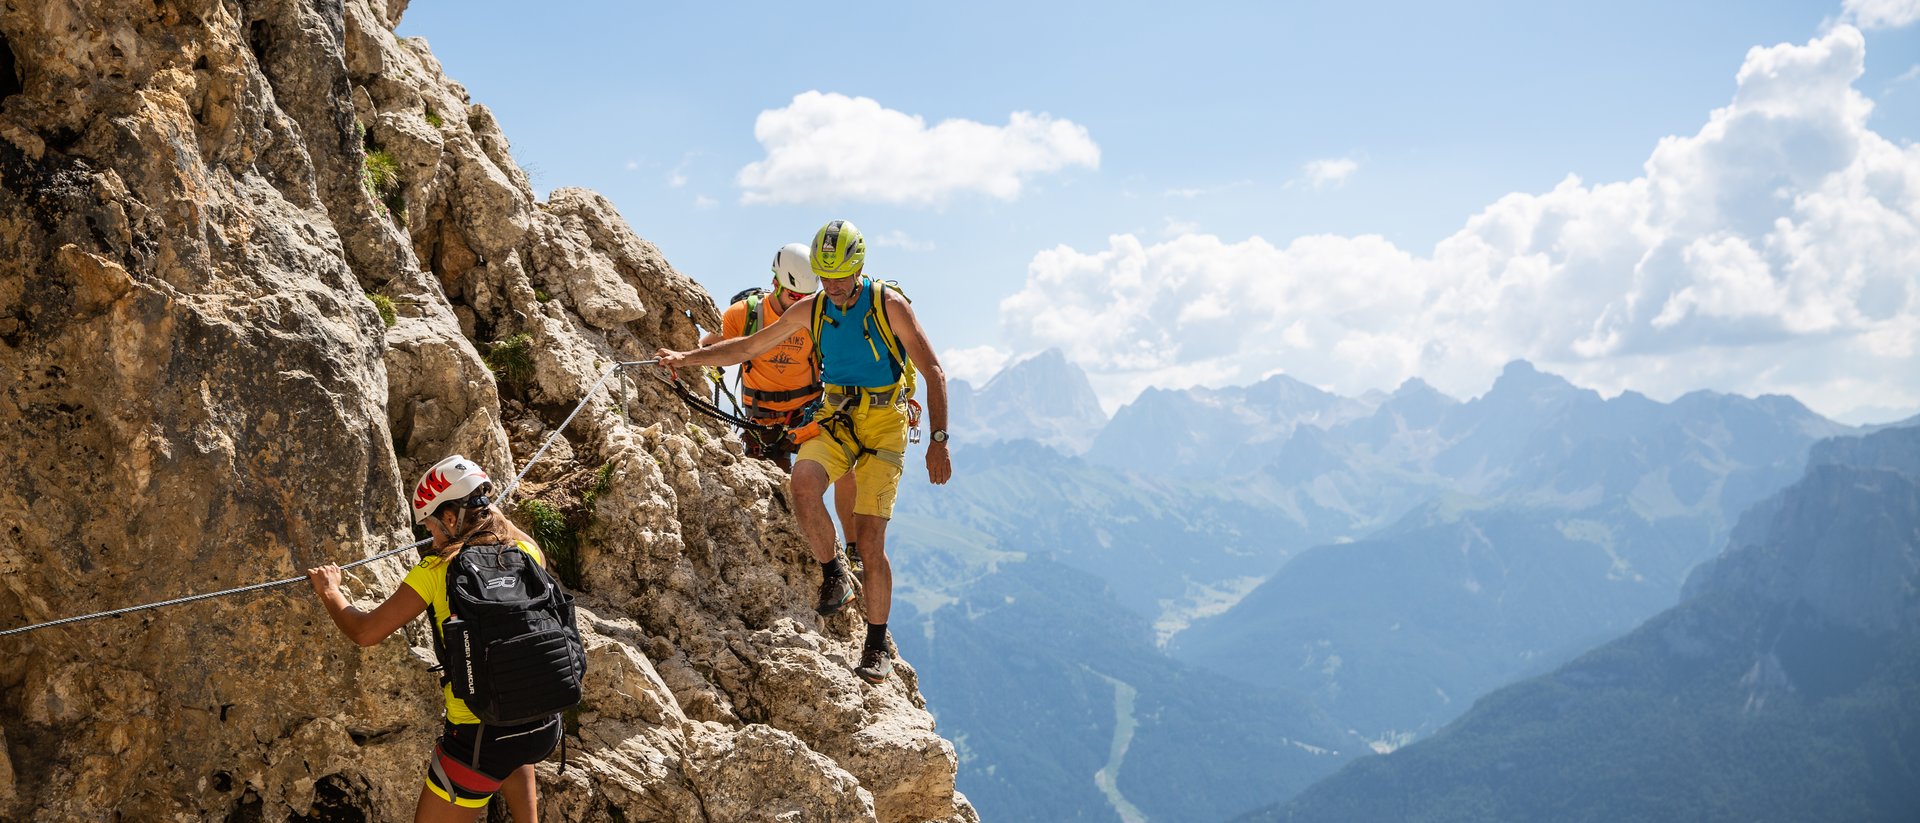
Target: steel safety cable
x,y
361,562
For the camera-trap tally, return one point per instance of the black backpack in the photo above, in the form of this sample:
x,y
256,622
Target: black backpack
x,y
511,648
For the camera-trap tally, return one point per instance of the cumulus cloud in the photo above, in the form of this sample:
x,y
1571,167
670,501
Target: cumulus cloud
x,y
1880,14
898,239
1330,172
1775,250
1177,226
976,364
831,147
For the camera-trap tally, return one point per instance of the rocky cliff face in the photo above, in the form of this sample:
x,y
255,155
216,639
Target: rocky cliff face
x,y
205,208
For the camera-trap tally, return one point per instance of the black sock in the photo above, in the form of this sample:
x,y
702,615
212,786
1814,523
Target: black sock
x,y
832,568
877,636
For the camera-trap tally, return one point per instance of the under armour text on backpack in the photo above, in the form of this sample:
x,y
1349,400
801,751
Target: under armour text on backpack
x,y
511,647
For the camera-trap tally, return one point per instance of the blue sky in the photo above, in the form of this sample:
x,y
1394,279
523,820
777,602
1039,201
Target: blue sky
x,y
1353,195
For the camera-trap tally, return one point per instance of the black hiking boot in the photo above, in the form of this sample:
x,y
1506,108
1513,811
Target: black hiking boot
x,y
875,665
835,594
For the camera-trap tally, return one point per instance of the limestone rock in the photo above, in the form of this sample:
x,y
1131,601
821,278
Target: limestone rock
x,y
198,393
6,773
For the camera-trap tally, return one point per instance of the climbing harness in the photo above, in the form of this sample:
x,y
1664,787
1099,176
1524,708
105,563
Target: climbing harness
x,y
361,562
842,401
875,323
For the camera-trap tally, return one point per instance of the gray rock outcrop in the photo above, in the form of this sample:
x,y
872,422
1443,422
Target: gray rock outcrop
x,y
205,209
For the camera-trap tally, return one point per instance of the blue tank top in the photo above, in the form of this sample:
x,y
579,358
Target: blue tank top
x,y
851,351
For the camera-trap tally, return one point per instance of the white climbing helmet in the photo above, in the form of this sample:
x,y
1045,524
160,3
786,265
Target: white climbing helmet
x,y
451,479
792,272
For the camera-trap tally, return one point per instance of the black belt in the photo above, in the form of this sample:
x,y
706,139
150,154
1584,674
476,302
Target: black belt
x,y
753,394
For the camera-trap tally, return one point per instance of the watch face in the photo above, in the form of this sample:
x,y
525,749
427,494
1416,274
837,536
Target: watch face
x,y
940,436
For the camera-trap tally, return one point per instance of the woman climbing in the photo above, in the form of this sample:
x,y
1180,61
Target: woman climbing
x,y
473,759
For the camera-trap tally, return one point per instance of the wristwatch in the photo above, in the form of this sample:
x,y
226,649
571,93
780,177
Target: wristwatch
x,y
939,435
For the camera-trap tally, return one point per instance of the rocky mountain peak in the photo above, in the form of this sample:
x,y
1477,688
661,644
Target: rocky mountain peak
x,y
1839,543
1041,397
1519,379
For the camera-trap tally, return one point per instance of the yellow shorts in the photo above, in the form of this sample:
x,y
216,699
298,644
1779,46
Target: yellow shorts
x,y
880,428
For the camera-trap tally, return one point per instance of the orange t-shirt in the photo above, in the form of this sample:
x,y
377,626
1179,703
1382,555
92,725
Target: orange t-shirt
x,y
787,367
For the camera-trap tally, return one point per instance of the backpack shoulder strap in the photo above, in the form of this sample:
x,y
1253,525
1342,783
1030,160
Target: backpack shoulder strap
x,y
752,325
892,341
879,311
819,317
753,314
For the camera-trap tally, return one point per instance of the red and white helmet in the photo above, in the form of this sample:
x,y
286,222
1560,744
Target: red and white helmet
x,y
451,479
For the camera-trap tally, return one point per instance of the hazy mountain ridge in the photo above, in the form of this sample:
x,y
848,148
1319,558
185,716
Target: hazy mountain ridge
x,y
1548,519
1787,685
1489,540
1204,432
1037,649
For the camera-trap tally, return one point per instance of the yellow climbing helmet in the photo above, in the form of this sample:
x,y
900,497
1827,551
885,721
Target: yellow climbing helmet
x,y
838,250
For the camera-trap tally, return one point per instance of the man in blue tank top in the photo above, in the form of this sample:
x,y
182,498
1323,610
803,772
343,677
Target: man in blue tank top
x,y
870,346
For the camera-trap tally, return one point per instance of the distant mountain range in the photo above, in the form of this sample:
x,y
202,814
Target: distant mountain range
x,y
1786,686
1196,433
1551,520
1378,563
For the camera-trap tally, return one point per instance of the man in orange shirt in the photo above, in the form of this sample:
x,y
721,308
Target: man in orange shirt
x,y
778,385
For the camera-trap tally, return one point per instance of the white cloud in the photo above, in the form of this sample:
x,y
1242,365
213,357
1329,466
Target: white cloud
x,y
1880,14
898,239
976,365
829,147
1775,250
1177,226
1191,192
677,176
1330,172
704,202
633,165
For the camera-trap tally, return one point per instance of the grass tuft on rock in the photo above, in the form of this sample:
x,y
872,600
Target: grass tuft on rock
x,y
602,481
512,359
384,305
556,537
382,179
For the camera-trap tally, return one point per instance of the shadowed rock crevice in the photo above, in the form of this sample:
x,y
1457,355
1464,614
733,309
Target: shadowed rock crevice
x,y
337,800
10,78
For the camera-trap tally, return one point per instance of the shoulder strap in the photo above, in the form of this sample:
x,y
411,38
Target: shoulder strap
x,y
879,313
819,317
752,325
